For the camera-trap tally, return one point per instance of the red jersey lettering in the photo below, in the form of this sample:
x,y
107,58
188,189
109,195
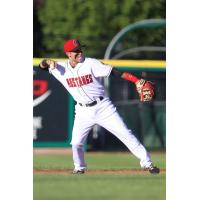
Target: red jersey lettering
x,y
79,81
83,80
90,78
73,82
69,82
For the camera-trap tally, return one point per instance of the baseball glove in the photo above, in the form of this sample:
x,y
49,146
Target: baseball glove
x,y
145,90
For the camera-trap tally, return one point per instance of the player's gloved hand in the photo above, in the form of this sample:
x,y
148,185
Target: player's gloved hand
x,y
47,63
145,90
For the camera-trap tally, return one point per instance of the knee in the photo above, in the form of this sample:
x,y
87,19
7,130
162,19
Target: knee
x,y
77,145
77,142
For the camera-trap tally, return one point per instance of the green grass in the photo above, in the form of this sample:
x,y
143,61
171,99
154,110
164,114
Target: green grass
x,y
98,186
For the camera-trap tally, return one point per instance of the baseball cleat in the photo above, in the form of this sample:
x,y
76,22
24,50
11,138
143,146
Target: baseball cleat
x,y
153,169
78,171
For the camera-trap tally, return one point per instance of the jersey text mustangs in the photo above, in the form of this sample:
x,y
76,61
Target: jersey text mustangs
x,y
79,81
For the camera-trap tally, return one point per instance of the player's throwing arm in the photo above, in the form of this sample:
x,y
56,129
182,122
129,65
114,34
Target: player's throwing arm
x,y
144,88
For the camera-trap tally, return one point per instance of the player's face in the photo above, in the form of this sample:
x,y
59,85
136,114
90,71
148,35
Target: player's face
x,y
76,56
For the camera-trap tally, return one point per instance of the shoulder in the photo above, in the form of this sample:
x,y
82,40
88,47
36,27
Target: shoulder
x,y
61,63
94,61
90,60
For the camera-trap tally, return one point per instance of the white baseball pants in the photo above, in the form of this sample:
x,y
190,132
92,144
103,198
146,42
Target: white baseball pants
x,y
104,114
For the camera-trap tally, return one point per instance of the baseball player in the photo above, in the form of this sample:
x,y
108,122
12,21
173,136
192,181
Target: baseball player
x,y
81,77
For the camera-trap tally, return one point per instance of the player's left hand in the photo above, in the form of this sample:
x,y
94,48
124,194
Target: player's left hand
x,y
145,90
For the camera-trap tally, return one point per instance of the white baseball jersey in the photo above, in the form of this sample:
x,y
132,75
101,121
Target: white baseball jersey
x,y
83,82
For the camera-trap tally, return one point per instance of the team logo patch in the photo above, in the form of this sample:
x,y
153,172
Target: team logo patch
x,y
76,42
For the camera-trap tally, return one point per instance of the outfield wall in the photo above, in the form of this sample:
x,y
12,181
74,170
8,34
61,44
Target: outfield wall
x,y
53,108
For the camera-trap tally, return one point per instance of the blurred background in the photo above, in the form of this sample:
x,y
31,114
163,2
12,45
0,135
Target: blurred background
x,y
130,35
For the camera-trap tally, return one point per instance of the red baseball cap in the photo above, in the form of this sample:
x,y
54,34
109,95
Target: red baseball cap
x,y
72,45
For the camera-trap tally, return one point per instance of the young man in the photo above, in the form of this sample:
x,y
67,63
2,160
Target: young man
x,y
81,77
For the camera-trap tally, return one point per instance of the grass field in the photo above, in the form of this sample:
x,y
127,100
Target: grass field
x,y
98,185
